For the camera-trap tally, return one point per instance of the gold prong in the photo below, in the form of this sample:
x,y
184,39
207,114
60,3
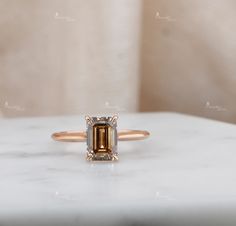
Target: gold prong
x,y
115,157
88,119
89,157
114,119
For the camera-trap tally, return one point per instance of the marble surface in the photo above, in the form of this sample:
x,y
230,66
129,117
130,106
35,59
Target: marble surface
x,y
184,174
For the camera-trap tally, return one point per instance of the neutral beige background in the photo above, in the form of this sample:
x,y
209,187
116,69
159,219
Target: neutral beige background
x,y
100,56
189,57
69,57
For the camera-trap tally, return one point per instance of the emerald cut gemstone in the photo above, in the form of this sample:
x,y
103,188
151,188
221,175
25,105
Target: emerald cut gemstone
x,y
102,139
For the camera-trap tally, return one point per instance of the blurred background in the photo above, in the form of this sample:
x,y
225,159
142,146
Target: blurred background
x,y
62,57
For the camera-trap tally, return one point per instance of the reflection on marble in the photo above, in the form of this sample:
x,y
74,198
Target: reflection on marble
x,y
185,174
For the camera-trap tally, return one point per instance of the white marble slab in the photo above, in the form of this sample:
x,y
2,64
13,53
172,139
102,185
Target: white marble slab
x,y
185,174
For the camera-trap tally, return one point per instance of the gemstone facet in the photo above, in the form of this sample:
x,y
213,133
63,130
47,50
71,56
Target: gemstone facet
x,y
102,138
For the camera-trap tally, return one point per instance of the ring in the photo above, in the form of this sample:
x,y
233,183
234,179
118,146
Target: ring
x,y
101,137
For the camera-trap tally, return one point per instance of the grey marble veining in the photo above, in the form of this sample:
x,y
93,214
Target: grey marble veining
x,y
184,174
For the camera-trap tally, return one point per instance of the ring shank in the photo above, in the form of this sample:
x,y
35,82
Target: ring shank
x,y
79,136
70,136
129,135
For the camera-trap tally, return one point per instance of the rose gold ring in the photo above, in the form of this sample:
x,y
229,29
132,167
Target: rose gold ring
x,y
101,137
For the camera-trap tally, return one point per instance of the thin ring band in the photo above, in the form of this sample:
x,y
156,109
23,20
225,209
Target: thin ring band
x,y
79,136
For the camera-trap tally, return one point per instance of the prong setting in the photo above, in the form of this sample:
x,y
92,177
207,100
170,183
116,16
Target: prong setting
x,y
102,138
88,120
114,119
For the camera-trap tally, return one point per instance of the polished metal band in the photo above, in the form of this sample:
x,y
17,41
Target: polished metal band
x,y
79,136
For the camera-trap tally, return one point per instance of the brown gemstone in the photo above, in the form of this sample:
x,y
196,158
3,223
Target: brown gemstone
x,y
102,134
102,139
